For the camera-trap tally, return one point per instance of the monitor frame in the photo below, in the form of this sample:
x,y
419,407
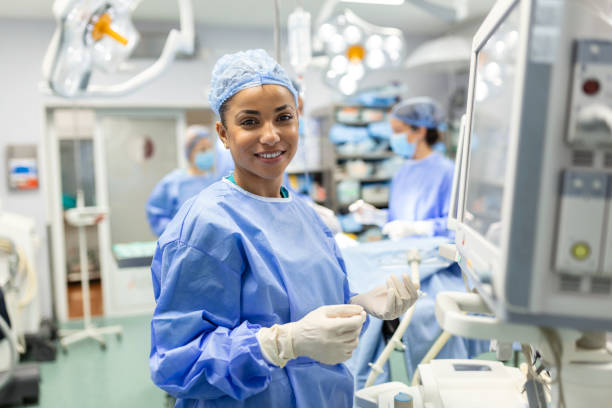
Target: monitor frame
x,y
453,211
525,285
478,256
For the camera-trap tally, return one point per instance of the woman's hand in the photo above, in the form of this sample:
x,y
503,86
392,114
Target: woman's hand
x,y
328,334
366,214
388,301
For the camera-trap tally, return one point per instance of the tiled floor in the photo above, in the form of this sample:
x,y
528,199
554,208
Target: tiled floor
x,y
88,377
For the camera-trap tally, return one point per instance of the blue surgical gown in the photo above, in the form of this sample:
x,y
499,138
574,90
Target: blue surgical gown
x,y
420,191
179,186
170,193
229,263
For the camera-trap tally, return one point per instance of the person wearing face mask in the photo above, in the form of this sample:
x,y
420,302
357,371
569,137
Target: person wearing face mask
x,y
420,191
253,306
208,162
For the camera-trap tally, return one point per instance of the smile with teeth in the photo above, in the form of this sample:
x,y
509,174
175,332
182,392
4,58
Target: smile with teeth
x,y
270,155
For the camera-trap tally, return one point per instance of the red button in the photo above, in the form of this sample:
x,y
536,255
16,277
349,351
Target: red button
x,y
590,86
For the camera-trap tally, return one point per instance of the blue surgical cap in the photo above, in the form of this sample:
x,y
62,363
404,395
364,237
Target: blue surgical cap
x,y
245,69
296,86
421,111
195,133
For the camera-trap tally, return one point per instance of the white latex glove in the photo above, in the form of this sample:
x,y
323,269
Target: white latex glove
x,y
389,301
367,214
328,334
399,229
328,217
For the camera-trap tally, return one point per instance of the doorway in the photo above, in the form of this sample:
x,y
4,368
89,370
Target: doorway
x,y
74,131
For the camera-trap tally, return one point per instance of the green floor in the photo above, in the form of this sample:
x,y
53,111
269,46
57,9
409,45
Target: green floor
x,y
118,377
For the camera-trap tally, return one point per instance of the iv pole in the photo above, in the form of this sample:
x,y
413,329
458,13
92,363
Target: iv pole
x,y
82,217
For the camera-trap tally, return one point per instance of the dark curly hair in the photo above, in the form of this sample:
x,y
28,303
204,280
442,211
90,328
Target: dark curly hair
x,y
432,136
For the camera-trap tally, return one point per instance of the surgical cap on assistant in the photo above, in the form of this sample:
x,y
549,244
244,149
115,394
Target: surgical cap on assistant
x,y
421,111
195,133
245,69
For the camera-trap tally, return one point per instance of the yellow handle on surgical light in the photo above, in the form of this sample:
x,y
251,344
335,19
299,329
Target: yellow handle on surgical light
x,y
103,27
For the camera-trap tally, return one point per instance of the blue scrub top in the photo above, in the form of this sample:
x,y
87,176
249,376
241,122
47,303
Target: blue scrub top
x,y
229,263
420,191
170,194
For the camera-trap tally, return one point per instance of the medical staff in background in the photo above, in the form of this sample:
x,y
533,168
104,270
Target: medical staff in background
x,y
253,303
208,162
420,191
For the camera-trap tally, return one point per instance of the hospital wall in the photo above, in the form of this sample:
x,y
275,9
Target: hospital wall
x,y
185,84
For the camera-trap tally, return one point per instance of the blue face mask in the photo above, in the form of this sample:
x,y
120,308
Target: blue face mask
x,y
204,160
400,145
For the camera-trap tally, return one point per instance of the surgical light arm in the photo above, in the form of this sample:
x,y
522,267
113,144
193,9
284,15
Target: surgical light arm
x,y
178,41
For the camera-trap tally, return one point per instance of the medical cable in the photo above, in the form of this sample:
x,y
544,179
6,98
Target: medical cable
x,y
24,268
554,342
535,385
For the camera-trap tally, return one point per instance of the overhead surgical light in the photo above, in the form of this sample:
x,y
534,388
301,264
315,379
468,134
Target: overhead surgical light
x,y
98,35
355,47
347,85
339,64
336,44
375,59
352,34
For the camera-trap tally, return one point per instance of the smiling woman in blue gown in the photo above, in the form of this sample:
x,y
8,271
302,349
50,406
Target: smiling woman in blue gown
x,y
253,303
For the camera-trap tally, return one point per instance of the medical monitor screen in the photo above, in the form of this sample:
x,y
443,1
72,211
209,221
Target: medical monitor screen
x,y
490,128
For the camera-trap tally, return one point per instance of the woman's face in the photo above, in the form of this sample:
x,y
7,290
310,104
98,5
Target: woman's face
x,y
261,130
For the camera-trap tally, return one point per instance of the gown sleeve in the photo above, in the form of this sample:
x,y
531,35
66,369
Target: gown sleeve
x,y
199,347
160,208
